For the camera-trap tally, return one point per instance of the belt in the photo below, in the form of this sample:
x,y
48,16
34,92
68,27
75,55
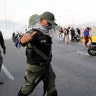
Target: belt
x,y
43,64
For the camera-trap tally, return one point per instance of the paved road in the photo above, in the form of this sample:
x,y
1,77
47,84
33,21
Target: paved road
x,y
74,68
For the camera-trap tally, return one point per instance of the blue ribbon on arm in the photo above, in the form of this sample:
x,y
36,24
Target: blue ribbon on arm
x,y
17,42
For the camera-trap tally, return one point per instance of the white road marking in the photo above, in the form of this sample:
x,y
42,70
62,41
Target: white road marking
x,y
82,53
9,75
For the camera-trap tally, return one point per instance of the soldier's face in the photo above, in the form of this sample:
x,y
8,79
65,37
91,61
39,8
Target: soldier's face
x,y
44,22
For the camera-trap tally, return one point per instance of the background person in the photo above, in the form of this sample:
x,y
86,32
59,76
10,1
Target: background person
x,y
87,36
61,34
72,30
78,32
67,35
64,34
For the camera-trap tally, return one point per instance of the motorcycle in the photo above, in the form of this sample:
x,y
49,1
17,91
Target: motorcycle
x,y
77,38
92,49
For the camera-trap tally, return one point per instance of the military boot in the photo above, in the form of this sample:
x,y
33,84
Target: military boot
x,y
54,93
21,94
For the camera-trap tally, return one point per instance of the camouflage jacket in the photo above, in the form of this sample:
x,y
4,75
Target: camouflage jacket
x,y
2,41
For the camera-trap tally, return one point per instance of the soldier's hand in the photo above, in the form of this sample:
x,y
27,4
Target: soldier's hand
x,y
27,37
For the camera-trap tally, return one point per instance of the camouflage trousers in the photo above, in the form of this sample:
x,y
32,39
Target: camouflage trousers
x,y
35,71
1,60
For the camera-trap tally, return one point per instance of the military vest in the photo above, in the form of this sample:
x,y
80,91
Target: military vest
x,y
43,43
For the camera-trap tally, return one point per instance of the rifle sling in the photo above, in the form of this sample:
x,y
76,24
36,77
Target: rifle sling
x,y
39,52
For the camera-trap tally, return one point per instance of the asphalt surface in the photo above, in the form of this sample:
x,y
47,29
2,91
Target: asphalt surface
x,y
75,70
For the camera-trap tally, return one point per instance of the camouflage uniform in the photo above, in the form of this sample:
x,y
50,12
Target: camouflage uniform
x,y
35,70
3,47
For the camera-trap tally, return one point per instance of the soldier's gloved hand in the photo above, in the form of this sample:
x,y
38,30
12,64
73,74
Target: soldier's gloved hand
x,y
27,37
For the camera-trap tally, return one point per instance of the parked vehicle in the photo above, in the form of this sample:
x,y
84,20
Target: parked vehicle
x,y
92,49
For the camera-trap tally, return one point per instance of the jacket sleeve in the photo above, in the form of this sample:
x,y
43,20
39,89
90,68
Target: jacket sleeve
x,y
2,43
25,44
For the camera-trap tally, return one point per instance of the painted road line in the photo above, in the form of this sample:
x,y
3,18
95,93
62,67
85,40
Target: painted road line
x,y
9,75
82,53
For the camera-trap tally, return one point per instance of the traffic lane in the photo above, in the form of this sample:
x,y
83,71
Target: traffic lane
x,y
76,51
15,63
15,59
75,73
75,82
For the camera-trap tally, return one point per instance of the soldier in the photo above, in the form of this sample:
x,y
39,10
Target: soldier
x,y
4,51
39,55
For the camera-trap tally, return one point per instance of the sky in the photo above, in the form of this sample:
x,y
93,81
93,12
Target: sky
x,y
66,11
